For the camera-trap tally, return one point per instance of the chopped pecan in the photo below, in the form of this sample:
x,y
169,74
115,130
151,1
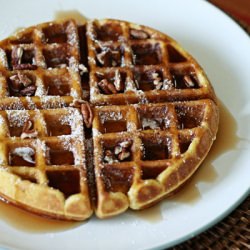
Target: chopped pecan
x,y
138,34
16,84
167,84
188,81
118,82
123,155
106,87
21,84
109,157
131,85
157,80
126,144
16,55
28,132
101,56
118,150
122,150
108,57
24,79
28,91
26,66
87,114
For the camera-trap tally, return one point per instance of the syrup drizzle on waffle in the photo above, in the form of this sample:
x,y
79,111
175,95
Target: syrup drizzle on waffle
x,y
149,111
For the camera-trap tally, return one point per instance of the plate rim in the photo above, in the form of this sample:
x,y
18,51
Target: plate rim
x,y
219,217
233,206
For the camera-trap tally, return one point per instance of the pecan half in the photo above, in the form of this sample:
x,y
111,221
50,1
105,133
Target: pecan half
x,y
87,114
138,34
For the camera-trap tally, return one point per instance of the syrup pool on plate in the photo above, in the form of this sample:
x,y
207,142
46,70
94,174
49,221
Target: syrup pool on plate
x,y
25,221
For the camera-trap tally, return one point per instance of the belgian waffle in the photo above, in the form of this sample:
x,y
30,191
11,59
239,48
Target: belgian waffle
x,y
114,116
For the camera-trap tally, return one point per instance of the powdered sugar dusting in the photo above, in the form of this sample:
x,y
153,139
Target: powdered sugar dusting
x,y
3,58
114,116
42,146
142,96
150,123
74,119
2,120
17,118
52,102
30,103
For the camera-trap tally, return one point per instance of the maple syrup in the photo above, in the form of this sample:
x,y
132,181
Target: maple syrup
x,y
28,222
76,15
114,126
152,214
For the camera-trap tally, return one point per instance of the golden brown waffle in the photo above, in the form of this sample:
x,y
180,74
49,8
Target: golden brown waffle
x,y
149,111
144,65
43,162
40,67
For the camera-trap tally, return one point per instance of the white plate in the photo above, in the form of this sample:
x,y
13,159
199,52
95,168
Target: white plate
x,y
223,49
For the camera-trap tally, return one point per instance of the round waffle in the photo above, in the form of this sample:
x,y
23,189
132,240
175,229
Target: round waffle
x,y
99,117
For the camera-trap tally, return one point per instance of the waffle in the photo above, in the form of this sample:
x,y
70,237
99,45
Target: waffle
x,y
40,67
116,116
43,162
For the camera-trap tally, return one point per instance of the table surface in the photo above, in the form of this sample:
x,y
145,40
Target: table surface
x,y
234,231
